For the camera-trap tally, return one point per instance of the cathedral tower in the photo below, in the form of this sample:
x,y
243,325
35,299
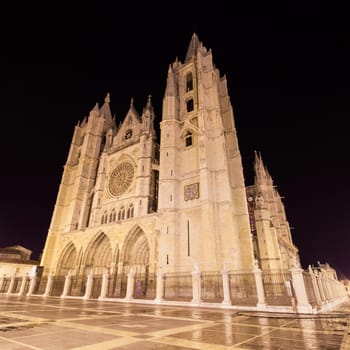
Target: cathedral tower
x,y
202,200
129,205
103,217
274,248
73,203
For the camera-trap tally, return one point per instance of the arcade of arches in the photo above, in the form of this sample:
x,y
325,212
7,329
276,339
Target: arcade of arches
x,y
99,257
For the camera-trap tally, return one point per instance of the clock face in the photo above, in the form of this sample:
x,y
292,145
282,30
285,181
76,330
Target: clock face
x,y
121,178
128,134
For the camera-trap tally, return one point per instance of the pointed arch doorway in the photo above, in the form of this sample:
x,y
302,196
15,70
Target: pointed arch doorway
x,y
98,260
98,257
136,257
67,263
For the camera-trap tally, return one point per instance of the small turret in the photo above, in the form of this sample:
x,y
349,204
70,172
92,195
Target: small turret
x,y
262,176
96,108
148,118
132,109
106,113
259,166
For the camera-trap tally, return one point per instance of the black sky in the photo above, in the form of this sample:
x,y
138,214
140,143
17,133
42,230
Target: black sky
x,y
288,77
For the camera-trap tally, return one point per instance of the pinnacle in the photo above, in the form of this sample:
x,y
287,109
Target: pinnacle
x,y
193,47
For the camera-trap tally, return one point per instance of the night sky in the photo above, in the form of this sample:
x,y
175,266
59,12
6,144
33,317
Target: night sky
x,y
288,73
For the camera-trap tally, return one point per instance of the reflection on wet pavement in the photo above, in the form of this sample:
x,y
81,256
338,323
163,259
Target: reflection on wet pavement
x,y
52,323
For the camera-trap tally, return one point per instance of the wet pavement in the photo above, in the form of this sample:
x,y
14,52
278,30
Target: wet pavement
x,y
54,323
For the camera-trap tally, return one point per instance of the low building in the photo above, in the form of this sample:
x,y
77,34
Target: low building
x,y
16,260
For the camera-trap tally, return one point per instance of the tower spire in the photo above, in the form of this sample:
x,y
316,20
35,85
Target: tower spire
x,y
148,116
262,176
96,108
149,103
192,47
106,111
132,108
170,89
259,167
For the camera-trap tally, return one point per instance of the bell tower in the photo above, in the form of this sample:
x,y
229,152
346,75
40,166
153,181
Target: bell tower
x,y
74,199
202,201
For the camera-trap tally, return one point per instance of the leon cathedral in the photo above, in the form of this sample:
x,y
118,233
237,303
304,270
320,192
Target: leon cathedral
x,y
128,202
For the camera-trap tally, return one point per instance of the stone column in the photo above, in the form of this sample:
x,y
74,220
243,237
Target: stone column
x,y
104,286
67,283
196,286
159,287
259,288
32,285
315,286
303,305
48,285
89,283
226,288
12,282
130,285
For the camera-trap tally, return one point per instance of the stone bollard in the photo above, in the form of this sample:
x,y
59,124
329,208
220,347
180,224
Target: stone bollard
x,y
130,285
2,281
303,305
89,283
196,286
160,287
259,288
12,283
23,285
226,288
67,284
315,286
32,285
48,285
104,287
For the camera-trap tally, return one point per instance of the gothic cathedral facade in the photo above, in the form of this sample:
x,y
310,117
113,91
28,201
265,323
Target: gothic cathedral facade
x,y
127,201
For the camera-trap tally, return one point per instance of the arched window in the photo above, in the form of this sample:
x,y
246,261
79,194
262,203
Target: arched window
x,y
130,213
189,105
121,214
104,218
112,216
188,139
189,82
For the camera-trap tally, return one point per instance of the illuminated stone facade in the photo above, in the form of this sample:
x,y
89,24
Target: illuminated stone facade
x,y
127,202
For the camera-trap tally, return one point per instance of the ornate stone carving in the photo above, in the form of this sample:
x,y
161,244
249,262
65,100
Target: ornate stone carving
x,y
121,178
191,191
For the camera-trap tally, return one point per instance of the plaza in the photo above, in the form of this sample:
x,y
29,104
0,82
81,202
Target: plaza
x,y
55,323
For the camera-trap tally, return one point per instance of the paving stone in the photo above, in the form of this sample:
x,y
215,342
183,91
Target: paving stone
x,y
66,324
